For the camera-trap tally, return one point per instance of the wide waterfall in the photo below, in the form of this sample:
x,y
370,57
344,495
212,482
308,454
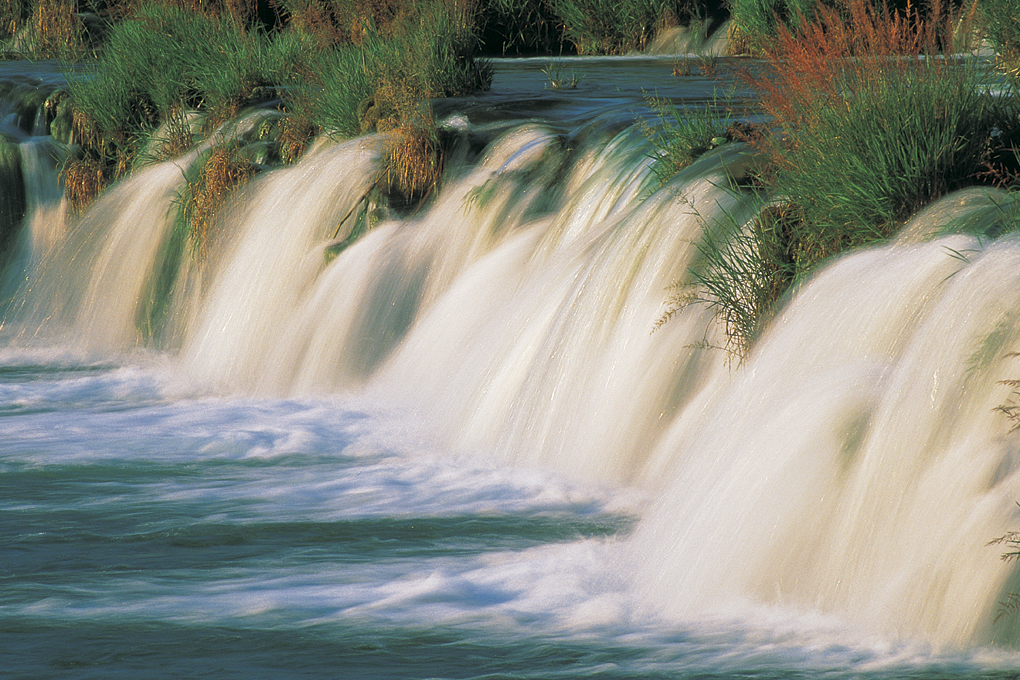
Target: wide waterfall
x,y
482,389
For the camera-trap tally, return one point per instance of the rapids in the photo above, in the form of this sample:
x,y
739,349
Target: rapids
x,y
853,468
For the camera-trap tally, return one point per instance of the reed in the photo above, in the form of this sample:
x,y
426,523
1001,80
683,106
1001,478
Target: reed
x,y
873,139
613,26
1002,27
43,29
872,122
516,26
210,181
757,21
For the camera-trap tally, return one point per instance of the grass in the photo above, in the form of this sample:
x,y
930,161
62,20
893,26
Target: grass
x,y
873,139
162,62
560,79
604,27
612,26
217,174
682,135
872,122
757,21
1003,30
742,276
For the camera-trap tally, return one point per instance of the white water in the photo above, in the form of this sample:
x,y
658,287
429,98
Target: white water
x,y
853,466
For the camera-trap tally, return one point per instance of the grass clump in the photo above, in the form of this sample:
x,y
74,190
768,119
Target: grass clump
x,y
757,21
872,140
217,174
742,276
389,78
602,27
872,123
1002,26
342,67
47,29
157,65
617,26
682,135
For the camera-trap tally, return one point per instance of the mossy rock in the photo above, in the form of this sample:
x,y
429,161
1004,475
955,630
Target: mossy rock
x,y
29,101
60,116
12,194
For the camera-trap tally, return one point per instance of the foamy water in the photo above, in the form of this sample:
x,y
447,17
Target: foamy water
x,y
458,449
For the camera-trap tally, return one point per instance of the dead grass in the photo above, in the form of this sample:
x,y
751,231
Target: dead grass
x,y
413,160
83,180
56,30
296,132
223,171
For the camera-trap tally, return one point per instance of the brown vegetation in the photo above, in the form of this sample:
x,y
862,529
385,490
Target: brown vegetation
x,y
223,171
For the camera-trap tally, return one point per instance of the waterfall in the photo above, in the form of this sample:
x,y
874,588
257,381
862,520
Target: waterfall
x,y
854,463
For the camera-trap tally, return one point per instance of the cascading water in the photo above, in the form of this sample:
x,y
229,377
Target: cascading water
x,y
854,465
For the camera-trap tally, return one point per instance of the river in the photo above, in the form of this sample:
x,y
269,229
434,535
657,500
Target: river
x,y
460,448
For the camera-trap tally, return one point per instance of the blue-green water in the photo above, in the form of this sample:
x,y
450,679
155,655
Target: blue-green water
x,y
147,534
457,450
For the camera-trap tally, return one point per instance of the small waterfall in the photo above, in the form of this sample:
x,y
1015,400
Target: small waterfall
x,y
90,284
856,463
45,201
853,464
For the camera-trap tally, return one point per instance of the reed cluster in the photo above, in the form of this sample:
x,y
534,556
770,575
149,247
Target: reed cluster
x,y
872,118
1002,27
340,68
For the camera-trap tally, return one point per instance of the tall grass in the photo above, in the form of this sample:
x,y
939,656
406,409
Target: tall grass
x,y
872,139
164,61
585,26
617,26
1002,19
515,26
43,29
756,21
160,63
872,122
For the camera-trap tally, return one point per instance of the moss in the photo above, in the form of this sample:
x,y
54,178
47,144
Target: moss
x,y
12,193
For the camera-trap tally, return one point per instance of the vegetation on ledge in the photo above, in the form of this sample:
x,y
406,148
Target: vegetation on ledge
x,y
872,120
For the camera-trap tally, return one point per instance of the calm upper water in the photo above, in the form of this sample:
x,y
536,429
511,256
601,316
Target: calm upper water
x,y
151,529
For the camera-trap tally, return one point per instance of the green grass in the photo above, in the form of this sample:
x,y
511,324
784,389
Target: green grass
x,y
615,26
1002,19
604,27
682,134
163,62
861,143
894,144
757,20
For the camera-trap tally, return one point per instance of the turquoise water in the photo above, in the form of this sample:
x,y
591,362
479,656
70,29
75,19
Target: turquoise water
x,y
459,451
147,533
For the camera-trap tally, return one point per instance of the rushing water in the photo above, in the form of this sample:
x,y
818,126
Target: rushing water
x,y
458,450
